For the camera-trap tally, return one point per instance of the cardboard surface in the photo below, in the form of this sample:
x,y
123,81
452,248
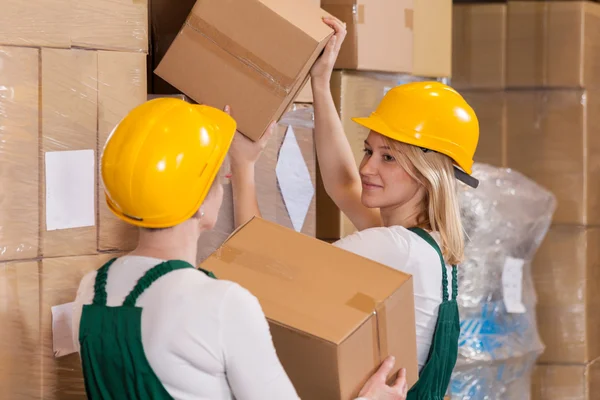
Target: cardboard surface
x,y
490,108
572,382
62,377
553,44
552,137
69,122
253,55
19,153
20,347
121,87
479,46
334,316
567,282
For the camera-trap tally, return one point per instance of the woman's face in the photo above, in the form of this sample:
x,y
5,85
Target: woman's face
x,y
214,200
385,183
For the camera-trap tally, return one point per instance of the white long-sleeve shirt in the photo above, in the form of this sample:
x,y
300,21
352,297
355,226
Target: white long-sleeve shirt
x,y
403,250
204,338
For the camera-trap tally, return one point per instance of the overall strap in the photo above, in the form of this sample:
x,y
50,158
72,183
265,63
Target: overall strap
x,y
152,276
429,239
100,284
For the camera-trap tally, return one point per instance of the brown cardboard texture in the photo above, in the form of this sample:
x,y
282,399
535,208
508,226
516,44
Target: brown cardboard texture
x,y
553,138
479,46
334,316
572,382
490,108
553,44
69,122
254,55
567,281
19,153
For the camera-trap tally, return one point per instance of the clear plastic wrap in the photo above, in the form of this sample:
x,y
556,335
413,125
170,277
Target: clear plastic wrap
x,y
120,25
505,220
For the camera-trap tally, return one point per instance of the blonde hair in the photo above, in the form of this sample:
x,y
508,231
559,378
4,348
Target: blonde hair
x,y
440,210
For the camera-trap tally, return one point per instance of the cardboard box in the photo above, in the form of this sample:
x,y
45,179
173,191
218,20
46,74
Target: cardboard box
x,y
69,123
19,153
120,25
121,87
479,46
20,347
417,32
59,280
566,278
253,55
490,108
573,382
553,44
334,316
552,137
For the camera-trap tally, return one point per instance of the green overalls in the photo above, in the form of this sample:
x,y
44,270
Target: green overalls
x,y
435,376
112,354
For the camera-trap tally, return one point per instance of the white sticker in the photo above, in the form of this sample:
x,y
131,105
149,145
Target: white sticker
x,y
70,187
294,180
512,284
62,330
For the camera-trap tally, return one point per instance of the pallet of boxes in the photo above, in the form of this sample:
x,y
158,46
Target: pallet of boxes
x,y
69,71
533,66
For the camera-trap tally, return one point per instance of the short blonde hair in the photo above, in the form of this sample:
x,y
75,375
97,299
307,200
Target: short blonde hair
x,y
440,209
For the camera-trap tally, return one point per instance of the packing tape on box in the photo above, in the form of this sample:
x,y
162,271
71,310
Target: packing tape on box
x,y
266,265
281,83
367,304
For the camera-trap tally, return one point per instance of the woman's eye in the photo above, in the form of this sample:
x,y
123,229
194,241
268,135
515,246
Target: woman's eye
x,y
388,158
368,152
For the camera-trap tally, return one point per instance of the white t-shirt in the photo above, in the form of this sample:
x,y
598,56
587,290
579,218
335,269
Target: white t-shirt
x,y
204,338
401,249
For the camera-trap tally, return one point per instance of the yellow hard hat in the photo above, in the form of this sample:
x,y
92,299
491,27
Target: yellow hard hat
x,y
430,115
161,160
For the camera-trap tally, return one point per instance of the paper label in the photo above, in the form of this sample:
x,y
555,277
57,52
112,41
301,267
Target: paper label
x,y
512,285
70,188
62,330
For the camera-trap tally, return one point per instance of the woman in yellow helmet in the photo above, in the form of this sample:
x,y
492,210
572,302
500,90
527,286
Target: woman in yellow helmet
x,y
403,198
149,325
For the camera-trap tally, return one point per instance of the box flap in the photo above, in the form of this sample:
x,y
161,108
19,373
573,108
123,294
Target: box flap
x,y
302,282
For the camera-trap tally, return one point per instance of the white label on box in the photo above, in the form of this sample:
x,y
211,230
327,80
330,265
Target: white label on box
x,y
512,285
70,187
62,330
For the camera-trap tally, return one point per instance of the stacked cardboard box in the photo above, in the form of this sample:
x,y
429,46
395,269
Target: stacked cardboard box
x,y
545,55
70,72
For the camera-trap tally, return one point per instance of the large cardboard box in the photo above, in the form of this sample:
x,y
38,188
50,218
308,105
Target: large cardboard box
x,y
567,281
120,25
121,87
572,382
19,153
553,44
253,55
553,138
490,108
410,36
479,46
334,316
59,280
69,123
20,346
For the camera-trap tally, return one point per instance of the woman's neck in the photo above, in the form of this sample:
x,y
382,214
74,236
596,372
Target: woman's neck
x,y
406,214
178,243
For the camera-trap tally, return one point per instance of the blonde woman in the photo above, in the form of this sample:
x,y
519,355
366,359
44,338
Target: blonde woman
x,y
402,199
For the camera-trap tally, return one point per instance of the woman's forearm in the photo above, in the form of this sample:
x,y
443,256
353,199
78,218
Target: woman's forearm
x,y
245,202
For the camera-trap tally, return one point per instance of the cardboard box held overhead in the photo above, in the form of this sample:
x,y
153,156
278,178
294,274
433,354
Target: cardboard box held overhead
x,y
254,55
334,316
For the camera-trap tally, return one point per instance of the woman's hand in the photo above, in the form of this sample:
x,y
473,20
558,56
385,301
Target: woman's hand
x,y
244,153
323,67
377,389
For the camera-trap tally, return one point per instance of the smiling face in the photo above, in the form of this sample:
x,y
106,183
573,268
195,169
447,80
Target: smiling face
x,y
385,183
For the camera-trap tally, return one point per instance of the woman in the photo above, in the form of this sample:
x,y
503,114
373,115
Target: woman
x,y
402,199
148,324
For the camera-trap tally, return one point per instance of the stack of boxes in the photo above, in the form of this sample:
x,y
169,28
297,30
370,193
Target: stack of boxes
x,y
69,71
544,57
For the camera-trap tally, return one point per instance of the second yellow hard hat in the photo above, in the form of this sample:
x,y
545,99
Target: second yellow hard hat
x,y
161,160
